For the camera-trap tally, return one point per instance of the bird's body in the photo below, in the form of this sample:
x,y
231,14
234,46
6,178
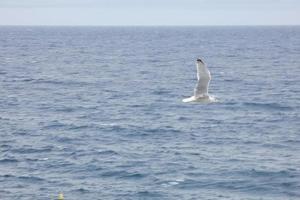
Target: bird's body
x,y
207,99
201,89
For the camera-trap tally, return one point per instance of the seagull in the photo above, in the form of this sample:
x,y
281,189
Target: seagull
x,y
201,89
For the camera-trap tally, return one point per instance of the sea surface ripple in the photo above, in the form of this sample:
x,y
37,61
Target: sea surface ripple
x,y
96,113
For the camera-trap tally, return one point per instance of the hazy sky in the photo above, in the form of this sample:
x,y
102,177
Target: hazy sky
x,y
149,12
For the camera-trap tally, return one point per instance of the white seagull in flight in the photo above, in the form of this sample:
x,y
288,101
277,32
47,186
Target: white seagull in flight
x,y
201,89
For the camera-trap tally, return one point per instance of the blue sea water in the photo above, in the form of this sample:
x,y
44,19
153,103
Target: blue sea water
x,y
96,113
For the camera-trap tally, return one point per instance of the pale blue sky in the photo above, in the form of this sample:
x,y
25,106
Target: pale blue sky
x,y
149,12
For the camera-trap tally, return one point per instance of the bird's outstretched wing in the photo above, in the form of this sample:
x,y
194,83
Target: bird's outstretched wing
x,y
203,75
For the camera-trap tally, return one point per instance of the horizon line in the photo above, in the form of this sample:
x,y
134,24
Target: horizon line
x,y
150,25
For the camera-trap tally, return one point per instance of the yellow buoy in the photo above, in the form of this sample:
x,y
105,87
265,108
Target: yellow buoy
x,y
60,196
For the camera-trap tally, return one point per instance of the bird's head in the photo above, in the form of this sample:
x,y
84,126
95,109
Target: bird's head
x,y
199,61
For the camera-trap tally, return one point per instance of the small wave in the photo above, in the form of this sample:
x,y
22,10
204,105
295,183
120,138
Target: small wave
x,y
8,160
32,150
64,139
161,130
77,127
60,125
259,173
183,118
172,182
275,146
65,109
26,80
231,55
149,194
113,173
161,92
81,190
108,124
7,176
54,125
55,82
60,82
231,80
292,142
144,72
36,159
133,176
123,174
268,106
107,152
30,178
19,79
137,105
5,147
231,185
154,61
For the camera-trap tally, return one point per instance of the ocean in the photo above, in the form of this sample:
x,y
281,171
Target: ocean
x,y
97,113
